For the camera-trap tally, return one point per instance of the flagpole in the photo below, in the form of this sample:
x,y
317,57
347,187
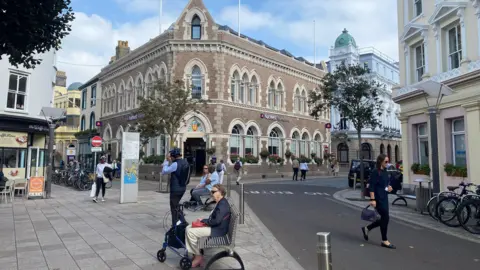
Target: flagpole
x,y
161,14
314,45
239,17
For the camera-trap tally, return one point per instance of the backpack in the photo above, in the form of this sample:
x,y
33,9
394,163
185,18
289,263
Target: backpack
x,y
237,165
219,167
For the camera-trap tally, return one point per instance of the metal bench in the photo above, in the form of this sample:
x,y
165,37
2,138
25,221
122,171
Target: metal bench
x,y
407,193
226,242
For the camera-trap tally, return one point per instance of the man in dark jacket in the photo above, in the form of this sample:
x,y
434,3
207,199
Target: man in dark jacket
x,y
179,170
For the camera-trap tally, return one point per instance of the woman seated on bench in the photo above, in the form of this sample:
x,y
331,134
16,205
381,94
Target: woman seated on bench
x,y
215,226
209,179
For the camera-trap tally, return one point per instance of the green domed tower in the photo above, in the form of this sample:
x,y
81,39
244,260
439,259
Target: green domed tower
x,y
345,39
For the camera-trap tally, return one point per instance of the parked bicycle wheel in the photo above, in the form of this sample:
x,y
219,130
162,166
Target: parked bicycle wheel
x,y
447,211
108,185
468,215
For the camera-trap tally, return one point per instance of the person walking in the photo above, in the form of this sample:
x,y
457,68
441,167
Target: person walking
x,y
102,167
179,170
237,167
303,169
379,188
295,166
336,168
221,168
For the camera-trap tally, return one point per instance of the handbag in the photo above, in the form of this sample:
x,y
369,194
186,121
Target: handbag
x,y
94,188
198,224
369,215
105,179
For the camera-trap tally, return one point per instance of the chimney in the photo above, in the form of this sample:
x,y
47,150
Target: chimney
x,y
61,79
122,49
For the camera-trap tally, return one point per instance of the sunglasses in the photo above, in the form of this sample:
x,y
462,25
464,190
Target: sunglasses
x,y
213,191
205,168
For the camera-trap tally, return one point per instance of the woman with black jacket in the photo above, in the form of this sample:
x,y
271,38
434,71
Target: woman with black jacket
x,y
379,186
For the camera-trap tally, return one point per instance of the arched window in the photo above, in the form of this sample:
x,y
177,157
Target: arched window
x,y
278,97
303,104
366,151
342,153
252,96
397,154
304,145
382,149
250,145
318,145
82,123
196,28
274,142
235,141
389,153
234,86
295,144
92,120
296,100
271,95
243,87
197,82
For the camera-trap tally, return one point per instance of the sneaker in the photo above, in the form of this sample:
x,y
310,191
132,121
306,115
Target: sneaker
x,y
103,199
94,200
238,183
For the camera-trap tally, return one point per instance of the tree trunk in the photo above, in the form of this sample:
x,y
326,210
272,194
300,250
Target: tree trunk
x,y
362,176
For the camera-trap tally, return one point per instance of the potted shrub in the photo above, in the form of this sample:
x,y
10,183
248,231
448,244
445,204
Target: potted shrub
x,y
251,159
313,155
234,157
455,171
415,168
264,154
288,154
319,161
420,169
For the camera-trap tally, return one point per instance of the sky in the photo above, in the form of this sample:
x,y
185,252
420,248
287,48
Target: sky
x,y
283,24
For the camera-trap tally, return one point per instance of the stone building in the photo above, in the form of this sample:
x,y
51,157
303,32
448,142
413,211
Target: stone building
x,y
257,94
382,140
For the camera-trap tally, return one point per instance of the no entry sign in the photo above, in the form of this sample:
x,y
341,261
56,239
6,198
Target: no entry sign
x,y
97,141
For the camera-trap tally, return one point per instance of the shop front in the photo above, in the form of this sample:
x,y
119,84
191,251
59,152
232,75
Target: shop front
x,y
23,152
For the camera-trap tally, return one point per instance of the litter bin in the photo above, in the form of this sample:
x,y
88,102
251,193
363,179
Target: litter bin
x,y
423,195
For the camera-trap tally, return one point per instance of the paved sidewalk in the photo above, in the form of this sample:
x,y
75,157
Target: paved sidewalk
x,y
406,214
69,231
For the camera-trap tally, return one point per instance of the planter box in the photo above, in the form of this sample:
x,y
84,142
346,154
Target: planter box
x,y
452,181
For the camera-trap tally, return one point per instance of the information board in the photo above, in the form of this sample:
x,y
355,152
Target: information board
x,y
130,160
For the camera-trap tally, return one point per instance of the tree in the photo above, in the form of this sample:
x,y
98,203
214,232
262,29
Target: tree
x,y
354,93
28,27
163,110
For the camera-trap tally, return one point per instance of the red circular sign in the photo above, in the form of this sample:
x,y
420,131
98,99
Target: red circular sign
x,y
97,141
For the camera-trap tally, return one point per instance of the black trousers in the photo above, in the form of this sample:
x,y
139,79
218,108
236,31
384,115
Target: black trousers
x,y
175,198
382,222
295,174
100,184
304,174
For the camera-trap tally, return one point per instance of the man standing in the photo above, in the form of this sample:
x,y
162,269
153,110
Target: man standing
x,y
179,171
237,167
295,166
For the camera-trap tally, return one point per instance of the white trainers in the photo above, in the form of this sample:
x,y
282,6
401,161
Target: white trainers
x,y
103,199
94,200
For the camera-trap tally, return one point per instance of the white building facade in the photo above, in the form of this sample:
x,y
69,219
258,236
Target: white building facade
x,y
384,139
23,130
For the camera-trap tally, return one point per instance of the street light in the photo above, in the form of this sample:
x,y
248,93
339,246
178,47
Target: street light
x,y
436,90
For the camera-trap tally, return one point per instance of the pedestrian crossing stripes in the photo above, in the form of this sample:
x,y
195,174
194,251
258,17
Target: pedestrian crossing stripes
x,y
259,192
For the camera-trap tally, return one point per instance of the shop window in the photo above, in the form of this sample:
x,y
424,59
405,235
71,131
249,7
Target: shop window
x,y
235,141
295,146
250,145
13,157
17,91
274,142
422,144
458,145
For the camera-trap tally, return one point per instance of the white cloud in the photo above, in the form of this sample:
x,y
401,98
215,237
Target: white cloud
x,y
140,6
249,20
93,40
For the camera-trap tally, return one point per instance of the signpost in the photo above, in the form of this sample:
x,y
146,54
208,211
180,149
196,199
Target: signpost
x,y
96,147
129,173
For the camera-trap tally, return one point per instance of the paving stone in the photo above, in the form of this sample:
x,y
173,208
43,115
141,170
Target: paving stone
x,y
120,262
53,247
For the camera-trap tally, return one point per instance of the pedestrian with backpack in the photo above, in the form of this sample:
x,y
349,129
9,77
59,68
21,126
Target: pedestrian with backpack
x,y
220,168
179,170
237,167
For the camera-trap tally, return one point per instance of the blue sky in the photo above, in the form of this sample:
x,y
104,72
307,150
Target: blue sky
x,y
284,24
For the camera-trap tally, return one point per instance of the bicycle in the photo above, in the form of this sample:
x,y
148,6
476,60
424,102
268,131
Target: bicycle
x,y
433,202
446,210
469,210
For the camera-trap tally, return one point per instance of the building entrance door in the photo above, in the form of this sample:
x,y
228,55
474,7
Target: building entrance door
x,y
194,152
32,161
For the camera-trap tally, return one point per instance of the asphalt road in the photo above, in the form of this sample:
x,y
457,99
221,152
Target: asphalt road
x,y
295,211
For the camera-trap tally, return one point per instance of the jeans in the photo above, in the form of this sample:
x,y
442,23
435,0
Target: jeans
x,y
304,174
100,184
198,192
174,206
382,222
295,174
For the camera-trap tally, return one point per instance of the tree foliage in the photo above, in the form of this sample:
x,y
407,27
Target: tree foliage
x,y
164,108
354,93
28,27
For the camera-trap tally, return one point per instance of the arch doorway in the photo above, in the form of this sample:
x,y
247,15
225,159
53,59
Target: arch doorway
x,y
366,151
342,153
389,153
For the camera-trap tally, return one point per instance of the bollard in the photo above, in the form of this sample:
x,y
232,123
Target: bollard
x,y
324,253
242,205
229,184
354,181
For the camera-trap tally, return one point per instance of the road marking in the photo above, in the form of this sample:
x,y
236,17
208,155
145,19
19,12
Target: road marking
x,y
257,192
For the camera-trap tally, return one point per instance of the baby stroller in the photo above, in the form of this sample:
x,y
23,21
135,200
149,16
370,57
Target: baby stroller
x,y
175,240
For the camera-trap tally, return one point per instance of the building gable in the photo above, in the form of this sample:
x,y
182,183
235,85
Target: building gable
x,y
183,26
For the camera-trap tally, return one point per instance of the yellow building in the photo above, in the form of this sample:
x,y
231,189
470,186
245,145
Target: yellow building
x,y
68,99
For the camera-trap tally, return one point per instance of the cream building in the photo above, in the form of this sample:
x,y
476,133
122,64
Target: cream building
x,y
439,42
69,100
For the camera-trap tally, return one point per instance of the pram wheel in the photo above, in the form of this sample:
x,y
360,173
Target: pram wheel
x,y
185,263
161,255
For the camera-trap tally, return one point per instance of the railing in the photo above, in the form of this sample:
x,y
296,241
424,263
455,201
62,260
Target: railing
x,y
377,53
